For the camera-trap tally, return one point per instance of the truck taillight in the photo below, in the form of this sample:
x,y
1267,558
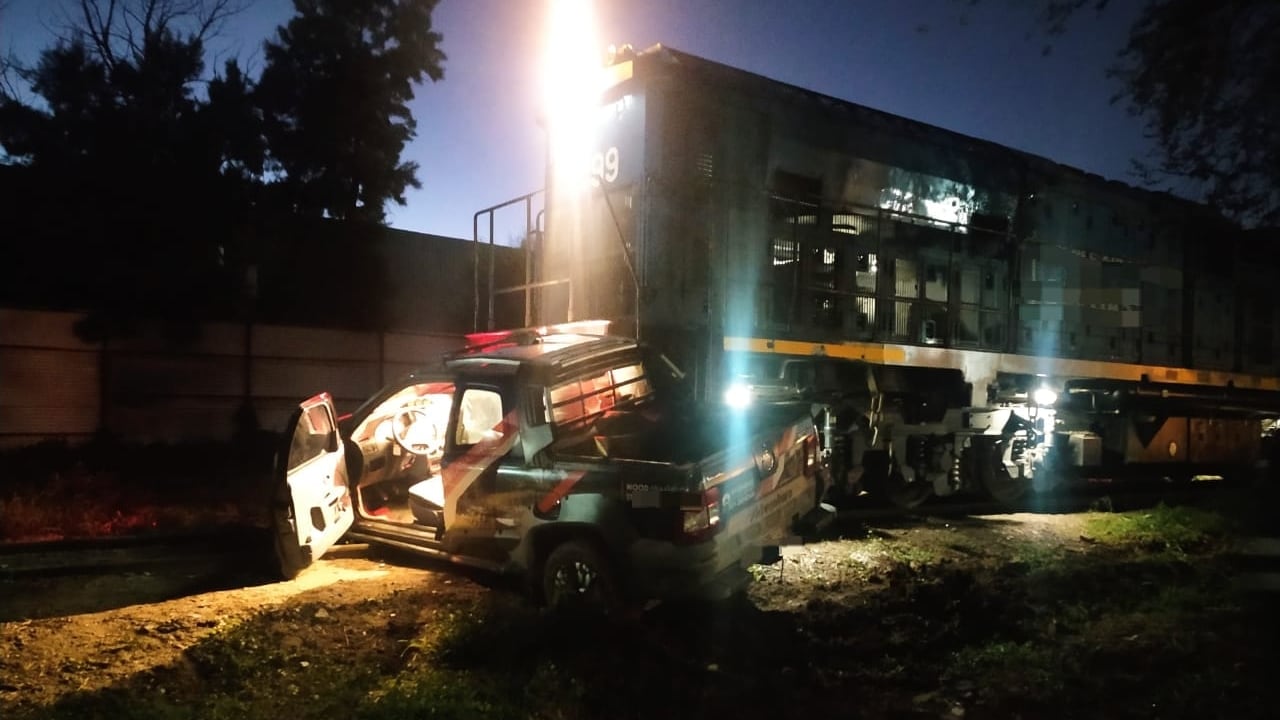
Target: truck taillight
x,y
811,453
700,515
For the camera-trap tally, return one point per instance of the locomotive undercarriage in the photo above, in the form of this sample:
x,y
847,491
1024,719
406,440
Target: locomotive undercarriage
x,y
907,434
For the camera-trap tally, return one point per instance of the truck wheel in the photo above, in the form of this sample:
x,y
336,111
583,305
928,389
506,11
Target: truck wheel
x,y
291,558
576,576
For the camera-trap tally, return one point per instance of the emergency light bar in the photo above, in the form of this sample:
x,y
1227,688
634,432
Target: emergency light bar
x,y
527,336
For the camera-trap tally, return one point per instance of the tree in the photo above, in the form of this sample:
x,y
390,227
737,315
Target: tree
x,y
154,188
120,81
7,66
335,92
124,182
1203,77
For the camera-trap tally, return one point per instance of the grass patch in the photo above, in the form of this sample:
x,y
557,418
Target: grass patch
x,y
85,505
877,550
429,692
1163,528
504,649
1095,631
1036,555
1030,669
58,491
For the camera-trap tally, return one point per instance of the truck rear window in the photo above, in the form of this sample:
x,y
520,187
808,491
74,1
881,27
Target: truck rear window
x,y
576,404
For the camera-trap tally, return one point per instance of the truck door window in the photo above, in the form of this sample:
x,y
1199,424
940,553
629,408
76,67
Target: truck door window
x,y
312,437
479,416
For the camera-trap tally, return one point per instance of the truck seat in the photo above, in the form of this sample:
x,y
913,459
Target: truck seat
x,y
426,501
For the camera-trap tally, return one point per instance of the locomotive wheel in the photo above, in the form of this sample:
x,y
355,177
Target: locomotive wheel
x,y
884,480
1003,487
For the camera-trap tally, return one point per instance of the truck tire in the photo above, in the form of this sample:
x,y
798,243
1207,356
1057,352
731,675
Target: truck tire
x,y
577,576
291,558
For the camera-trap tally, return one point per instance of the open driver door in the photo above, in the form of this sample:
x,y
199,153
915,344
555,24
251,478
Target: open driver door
x,y
310,504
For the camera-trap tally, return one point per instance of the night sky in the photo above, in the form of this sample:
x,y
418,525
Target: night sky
x,y
976,70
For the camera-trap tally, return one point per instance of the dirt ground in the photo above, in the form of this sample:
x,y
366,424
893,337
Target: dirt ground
x,y
44,658
1019,615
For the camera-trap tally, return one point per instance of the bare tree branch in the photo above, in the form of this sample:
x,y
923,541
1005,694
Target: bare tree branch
x,y
8,66
96,26
115,29
215,16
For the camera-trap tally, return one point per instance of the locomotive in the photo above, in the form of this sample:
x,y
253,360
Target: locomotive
x,y
961,316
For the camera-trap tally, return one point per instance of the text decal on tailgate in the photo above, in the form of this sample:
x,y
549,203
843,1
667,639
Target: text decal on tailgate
x,y
763,516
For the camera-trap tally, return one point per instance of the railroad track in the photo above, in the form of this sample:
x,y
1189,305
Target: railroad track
x,y
145,552
62,578
241,554
1115,498
54,579
97,556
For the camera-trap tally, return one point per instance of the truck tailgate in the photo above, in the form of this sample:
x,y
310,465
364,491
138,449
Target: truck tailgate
x,y
764,487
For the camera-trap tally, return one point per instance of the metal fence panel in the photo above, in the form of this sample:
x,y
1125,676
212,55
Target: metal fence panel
x,y
53,384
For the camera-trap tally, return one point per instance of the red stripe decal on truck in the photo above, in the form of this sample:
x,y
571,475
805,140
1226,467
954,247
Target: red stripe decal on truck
x,y
561,489
463,472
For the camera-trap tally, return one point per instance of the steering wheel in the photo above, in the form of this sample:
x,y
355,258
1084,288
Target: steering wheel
x,y
414,431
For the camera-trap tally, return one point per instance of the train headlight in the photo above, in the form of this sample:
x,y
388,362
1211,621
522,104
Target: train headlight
x,y
737,395
1044,397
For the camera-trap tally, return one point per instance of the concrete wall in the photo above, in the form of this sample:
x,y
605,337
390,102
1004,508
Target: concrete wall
x,y
144,388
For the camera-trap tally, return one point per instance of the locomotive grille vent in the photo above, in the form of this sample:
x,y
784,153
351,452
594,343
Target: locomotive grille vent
x,y
705,166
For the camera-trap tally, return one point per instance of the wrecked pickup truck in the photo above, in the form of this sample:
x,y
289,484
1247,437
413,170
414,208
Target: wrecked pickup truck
x,y
565,458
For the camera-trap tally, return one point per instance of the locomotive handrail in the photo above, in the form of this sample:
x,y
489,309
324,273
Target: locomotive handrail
x,y
530,227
